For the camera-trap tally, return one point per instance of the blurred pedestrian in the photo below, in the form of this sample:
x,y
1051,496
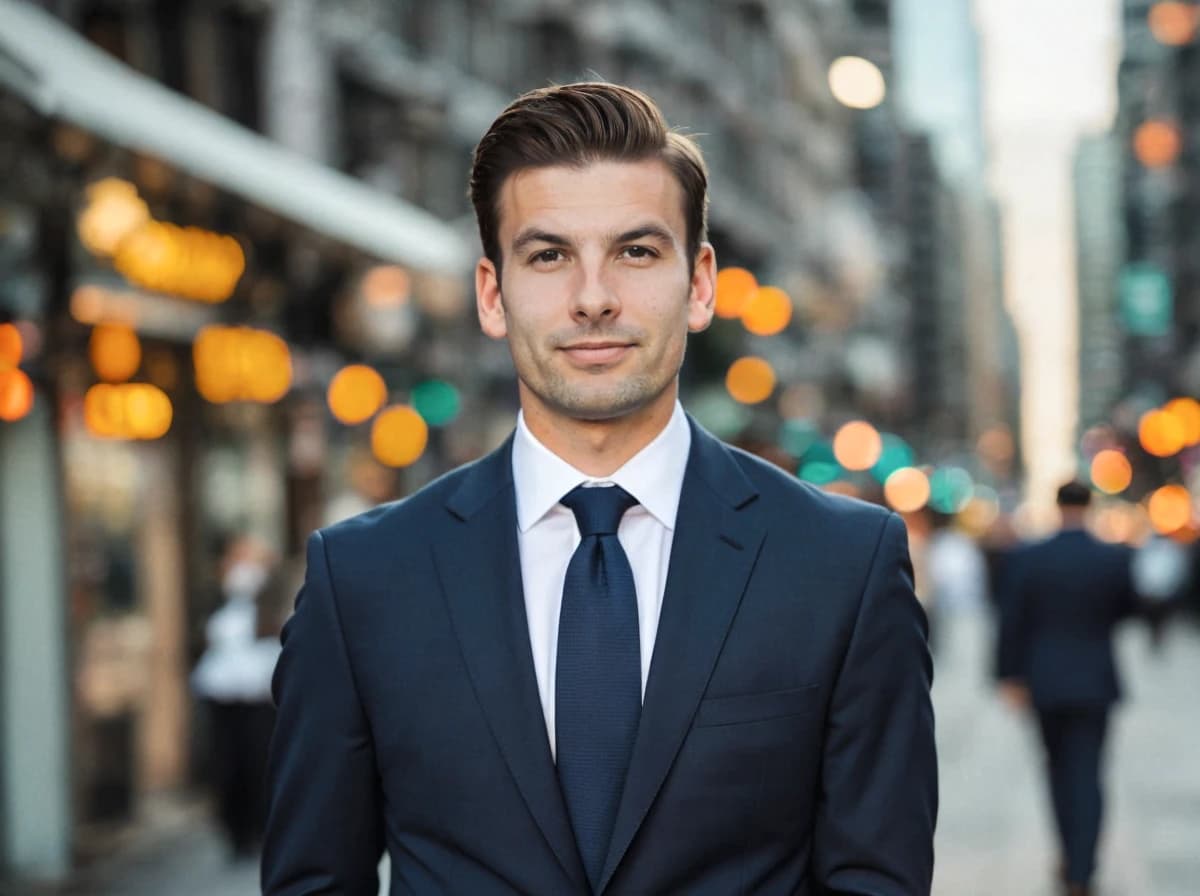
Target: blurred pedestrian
x,y
467,679
1061,599
233,679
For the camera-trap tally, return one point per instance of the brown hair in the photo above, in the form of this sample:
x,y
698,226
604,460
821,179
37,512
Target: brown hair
x,y
576,124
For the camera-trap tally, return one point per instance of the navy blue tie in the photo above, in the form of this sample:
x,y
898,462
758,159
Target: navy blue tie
x,y
598,686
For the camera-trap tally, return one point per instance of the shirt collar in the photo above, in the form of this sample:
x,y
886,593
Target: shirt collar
x,y
654,475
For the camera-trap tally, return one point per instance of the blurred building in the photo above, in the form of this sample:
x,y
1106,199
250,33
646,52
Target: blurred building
x,y
331,140
1099,240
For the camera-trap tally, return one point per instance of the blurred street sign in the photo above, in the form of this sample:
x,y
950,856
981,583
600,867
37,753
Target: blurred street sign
x,y
1145,299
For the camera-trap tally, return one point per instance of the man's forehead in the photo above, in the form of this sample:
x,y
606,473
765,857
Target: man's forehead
x,y
561,195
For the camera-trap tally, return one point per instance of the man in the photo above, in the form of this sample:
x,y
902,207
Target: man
x,y
614,656
1060,600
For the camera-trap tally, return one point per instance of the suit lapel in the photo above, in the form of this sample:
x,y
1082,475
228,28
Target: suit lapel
x,y
715,546
480,571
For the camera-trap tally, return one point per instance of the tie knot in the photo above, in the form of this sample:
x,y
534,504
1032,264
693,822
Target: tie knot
x,y
598,510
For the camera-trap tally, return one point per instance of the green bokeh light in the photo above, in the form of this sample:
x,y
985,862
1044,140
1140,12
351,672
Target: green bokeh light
x,y
950,488
437,401
895,455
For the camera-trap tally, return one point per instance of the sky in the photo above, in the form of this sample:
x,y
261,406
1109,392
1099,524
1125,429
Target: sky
x,y
1049,78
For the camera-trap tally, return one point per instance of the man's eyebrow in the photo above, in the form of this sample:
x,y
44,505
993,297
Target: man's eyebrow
x,y
533,235
646,230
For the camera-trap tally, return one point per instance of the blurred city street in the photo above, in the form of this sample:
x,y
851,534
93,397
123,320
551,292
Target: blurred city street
x,y
993,835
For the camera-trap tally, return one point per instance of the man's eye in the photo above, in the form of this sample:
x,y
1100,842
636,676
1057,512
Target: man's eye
x,y
640,252
547,256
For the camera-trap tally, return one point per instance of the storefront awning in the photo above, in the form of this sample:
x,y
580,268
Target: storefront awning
x,y
64,76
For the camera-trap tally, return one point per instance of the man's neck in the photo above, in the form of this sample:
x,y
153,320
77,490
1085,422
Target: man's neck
x,y
598,447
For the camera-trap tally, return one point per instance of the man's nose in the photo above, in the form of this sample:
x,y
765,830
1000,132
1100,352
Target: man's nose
x,y
595,298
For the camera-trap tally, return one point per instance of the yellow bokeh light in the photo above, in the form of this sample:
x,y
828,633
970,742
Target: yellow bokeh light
x,y
241,364
735,286
12,346
1170,508
857,445
185,261
1160,433
399,436
115,351
1157,143
1173,24
386,286
127,411
114,211
857,82
907,490
768,311
355,393
1186,412
270,376
16,394
750,380
1111,471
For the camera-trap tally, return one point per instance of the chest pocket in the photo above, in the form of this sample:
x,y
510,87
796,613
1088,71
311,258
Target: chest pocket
x,y
744,708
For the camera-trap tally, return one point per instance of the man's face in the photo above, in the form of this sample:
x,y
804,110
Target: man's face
x,y
597,295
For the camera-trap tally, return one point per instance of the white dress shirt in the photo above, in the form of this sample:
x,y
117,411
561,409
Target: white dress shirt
x,y
548,535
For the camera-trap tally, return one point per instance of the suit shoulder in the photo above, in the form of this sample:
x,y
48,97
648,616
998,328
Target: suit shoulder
x,y
411,513
788,494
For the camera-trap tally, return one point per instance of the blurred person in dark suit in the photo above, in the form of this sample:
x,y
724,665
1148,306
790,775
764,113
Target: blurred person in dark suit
x,y
1060,600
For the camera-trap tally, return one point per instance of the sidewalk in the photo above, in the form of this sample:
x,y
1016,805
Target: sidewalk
x,y
993,835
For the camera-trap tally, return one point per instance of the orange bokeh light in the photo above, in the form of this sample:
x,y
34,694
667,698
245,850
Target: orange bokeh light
x,y
907,490
355,393
1111,471
1187,412
735,286
857,445
16,394
127,411
1157,143
1170,508
11,346
768,311
241,364
399,436
750,380
1173,24
386,286
1160,433
115,351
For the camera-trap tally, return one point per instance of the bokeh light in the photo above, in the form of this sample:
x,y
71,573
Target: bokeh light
x,y
399,436
12,346
894,454
115,351
127,411
355,393
241,364
1111,471
114,210
1173,23
1160,433
797,436
750,380
857,82
735,286
386,286
1170,508
437,401
1157,144
907,490
950,488
857,445
1187,412
16,394
768,311
185,261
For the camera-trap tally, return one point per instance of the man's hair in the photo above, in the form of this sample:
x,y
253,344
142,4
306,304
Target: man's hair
x,y
575,125
1074,494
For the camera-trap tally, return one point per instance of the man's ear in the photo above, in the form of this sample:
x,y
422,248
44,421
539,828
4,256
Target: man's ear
x,y
488,301
703,295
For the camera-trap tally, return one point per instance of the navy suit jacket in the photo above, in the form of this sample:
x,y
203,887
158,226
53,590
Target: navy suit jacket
x,y
1060,601
786,739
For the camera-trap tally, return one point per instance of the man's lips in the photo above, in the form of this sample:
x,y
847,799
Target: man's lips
x,y
592,353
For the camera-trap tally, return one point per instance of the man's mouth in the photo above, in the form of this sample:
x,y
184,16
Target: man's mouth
x,y
587,354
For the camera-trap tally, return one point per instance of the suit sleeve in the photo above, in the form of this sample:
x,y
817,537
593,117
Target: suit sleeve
x,y
324,829
879,791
